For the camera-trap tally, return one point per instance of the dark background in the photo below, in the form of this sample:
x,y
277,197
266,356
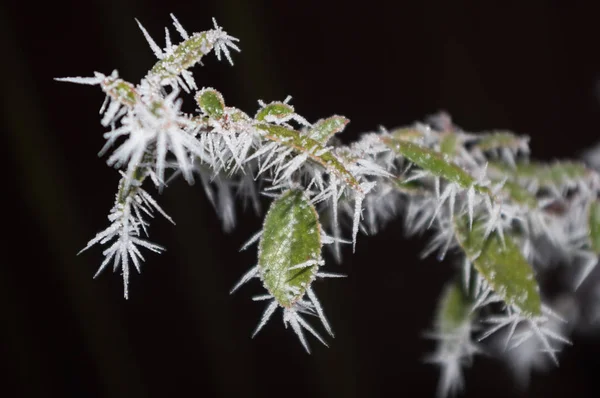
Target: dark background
x,y
532,68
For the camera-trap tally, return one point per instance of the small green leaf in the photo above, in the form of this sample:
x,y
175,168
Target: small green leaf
x,y
500,139
434,162
238,115
186,54
316,151
454,309
557,174
291,236
520,195
211,102
561,172
410,188
120,90
324,129
274,111
594,225
503,266
449,143
410,134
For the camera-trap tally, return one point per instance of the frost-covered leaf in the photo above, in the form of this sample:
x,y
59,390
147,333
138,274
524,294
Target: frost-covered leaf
x,y
315,151
562,171
410,134
449,143
118,92
290,247
187,54
238,115
324,129
435,163
500,139
520,195
289,257
501,265
594,225
211,102
274,112
557,174
454,308
454,345
177,59
412,187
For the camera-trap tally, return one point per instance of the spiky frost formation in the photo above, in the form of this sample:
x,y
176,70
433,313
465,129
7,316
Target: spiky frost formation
x,y
509,219
531,355
453,353
128,219
541,331
453,336
291,234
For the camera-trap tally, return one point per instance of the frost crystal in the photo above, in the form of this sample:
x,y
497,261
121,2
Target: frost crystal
x,y
222,42
510,219
124,233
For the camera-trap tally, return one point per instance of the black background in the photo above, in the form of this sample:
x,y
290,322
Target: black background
x,y
531,67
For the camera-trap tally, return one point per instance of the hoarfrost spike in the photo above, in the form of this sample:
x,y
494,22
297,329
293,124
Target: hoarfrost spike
x,y
330,275
222,42
251,241
266,316
92,81
306,326
262,297
155,48
247,276
319,310
292,318
184,35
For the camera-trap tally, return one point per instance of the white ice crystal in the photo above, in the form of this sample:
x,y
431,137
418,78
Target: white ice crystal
x,y
538,328
291,314
222,42
128,223
532,354
454,351
157,127
439,178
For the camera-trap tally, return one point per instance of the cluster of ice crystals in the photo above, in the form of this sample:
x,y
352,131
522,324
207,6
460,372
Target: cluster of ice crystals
x,y
454,351
450,176
128,219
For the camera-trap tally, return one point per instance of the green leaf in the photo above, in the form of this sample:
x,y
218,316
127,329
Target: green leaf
x,y
500,139
410,134
503,266
454,308
594,225
120,90
186,54
211,102
520,195
409,188
291,235
434,162
238,115
562,172
449,143
316,151
556,174
274,111
324,129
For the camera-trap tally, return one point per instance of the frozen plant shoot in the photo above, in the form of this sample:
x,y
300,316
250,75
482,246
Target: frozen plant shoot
x,y
498,216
